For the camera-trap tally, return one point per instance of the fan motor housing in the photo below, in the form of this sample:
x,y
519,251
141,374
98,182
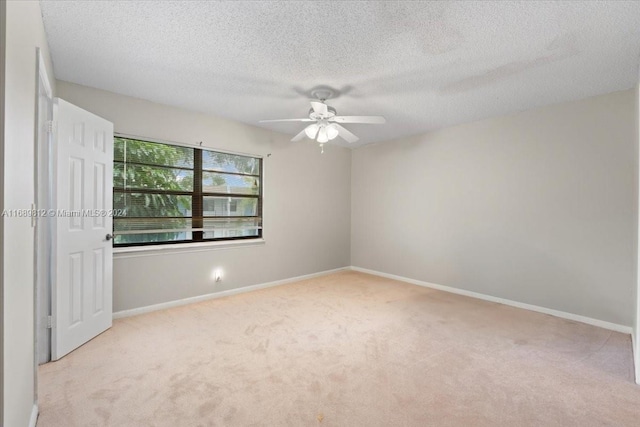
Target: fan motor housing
x,y
331,112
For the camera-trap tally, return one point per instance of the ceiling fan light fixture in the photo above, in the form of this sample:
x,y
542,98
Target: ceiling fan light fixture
x,y
332,131
312,131
323,123
322,135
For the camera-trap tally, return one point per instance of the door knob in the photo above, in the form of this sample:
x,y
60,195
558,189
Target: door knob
x,y
108,237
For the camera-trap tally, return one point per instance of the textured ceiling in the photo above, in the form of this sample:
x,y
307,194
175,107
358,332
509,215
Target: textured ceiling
x,y
422,65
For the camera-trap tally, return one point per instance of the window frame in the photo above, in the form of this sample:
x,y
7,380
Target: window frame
x,y
197,194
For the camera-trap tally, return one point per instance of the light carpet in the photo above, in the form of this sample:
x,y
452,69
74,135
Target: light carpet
x,y
347,349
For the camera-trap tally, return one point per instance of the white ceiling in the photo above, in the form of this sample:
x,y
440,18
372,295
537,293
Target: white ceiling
x,y
422,65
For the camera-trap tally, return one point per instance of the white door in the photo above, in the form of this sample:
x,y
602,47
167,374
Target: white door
x,y
82,289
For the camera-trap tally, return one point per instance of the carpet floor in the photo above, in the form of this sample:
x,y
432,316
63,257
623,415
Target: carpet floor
x,y
347,349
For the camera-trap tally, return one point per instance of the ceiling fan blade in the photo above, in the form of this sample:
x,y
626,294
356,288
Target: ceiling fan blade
x,y
299,136
346,134
319,107
374,120
286,120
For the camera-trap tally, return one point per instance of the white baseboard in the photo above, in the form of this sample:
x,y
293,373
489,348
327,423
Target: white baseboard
x,y
34,416
564,315
569,316
185,301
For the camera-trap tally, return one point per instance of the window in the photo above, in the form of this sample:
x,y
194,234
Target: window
x,y
173,194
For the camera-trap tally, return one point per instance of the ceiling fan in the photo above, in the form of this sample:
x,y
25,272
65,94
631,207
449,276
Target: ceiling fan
x,y
325,123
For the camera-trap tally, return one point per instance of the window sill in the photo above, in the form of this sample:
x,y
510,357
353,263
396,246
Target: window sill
x,y
136,251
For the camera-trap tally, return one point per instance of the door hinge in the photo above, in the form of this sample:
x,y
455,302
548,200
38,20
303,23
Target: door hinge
x,y
49,322
51,126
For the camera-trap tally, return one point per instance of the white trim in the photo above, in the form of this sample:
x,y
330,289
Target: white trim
x,y
185,301
42,71
34,416
153,250
564,315
636,323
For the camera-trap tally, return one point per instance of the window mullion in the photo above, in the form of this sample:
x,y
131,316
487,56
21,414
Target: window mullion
x,y
197,201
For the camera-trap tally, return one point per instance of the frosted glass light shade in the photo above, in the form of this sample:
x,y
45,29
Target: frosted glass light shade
x,y
311,131
322,135
332,131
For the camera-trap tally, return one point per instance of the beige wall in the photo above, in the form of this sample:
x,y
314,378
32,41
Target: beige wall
x,y
306,204
538,207
25,32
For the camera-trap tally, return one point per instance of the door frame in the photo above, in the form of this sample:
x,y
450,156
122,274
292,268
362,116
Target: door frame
x,y
42,233
3,43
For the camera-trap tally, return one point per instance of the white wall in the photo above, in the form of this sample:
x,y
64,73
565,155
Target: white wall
x,y
24,32
306,204
538,207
